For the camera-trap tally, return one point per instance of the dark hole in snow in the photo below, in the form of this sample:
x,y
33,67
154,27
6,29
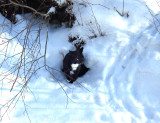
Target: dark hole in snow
x,y
73,65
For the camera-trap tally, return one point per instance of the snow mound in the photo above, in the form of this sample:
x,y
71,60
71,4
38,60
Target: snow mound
x,y
123,54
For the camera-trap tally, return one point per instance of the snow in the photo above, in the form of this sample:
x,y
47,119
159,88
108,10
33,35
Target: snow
x,y
154,5
51,10
123,54
61,2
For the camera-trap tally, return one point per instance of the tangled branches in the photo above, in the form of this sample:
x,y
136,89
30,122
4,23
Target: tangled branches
x,y
22,52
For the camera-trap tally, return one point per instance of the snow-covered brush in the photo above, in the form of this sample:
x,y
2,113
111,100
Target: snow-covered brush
x,y
62,14
57,12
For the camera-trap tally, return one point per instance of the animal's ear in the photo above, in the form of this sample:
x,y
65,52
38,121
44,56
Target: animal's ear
x,y
81,49
71,52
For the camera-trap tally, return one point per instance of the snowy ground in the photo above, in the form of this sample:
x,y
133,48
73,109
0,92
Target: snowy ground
x,y
123,83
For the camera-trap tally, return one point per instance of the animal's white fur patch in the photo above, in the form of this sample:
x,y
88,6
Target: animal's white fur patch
x,y
74,66
71,72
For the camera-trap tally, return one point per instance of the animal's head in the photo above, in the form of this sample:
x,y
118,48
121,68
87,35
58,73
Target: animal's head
x,y
77,53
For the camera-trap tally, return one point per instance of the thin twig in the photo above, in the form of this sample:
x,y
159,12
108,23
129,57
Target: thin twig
x,y
35,11
123,9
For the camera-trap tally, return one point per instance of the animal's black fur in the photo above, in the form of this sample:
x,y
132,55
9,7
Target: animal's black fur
x,y
74,57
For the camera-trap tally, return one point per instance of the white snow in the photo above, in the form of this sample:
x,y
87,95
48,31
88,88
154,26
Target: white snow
x,y
60,2
154,5
51,10
123,83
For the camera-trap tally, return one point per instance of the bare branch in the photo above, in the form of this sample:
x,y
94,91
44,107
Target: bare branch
x,y
24,6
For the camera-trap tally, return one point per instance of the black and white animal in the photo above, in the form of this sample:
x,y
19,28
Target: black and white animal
x,y
73,65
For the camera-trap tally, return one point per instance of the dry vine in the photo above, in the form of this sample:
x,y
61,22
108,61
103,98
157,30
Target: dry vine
x,y
28,61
